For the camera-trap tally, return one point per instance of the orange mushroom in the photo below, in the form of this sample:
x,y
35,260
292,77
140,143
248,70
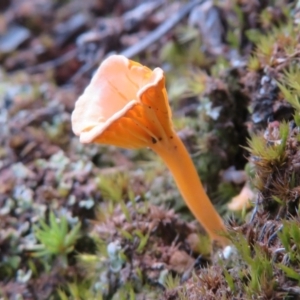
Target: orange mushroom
x,y
126,105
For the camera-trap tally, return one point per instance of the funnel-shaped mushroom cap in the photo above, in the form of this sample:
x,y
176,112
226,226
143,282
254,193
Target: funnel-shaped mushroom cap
x,y
125,105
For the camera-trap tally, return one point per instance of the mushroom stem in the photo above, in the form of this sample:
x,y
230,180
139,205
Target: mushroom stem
x,y
177,158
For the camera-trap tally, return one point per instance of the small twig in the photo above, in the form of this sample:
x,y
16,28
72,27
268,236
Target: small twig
x,y
160,31
37,115
52,64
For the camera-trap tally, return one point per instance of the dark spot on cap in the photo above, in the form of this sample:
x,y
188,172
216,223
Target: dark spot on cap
x,y
154,141
159,138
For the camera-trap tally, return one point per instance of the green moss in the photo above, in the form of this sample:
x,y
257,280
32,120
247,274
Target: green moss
x,y
55,238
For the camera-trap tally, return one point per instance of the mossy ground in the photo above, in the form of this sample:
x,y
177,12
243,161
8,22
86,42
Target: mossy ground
x,y
98,222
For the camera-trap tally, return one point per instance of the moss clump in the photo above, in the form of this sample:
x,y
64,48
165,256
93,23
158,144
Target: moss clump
x,y
140,246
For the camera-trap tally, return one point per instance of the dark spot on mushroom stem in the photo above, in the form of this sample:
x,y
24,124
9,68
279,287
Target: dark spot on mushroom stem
x,y
154,141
